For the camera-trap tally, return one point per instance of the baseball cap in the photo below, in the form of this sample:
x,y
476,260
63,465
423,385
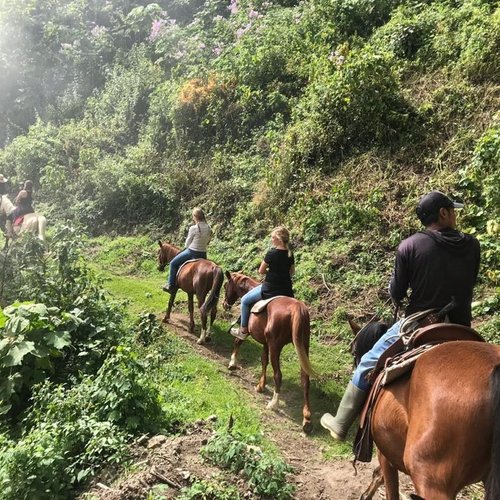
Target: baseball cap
x,y
432,202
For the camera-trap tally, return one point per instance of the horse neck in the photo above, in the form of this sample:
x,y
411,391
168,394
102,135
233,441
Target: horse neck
x,y
245,284
172,251
5,204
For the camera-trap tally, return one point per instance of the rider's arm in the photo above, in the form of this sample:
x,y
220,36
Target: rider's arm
x,y
190,236
400,280
263,267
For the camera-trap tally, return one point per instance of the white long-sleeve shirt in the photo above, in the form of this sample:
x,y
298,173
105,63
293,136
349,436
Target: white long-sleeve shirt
x,y
198,237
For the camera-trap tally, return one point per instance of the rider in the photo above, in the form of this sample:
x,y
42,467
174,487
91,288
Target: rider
x,y
23,202
197,240
278,266
3,191
437,264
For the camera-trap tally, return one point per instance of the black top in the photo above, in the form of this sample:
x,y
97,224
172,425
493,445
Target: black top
x,y
437,265
278,280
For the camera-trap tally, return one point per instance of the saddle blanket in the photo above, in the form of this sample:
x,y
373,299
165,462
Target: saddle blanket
x,y
261,305
18,220
183,264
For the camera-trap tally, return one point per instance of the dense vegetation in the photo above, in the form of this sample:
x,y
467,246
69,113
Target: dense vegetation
x,y
330,116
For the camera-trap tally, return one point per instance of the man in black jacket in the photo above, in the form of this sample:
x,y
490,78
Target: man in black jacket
x,y
436,264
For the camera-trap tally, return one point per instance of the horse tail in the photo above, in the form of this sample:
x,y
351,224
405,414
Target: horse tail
x,y
301,332
213,294
493,481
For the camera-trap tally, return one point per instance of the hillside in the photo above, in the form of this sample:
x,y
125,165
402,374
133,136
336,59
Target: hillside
x,y
331,117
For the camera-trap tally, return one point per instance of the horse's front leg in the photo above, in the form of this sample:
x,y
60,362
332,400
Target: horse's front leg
x,y
275,352
169,306
234,356
390,478
265,360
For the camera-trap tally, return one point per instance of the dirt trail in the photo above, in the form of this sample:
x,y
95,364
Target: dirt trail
x,y
315,478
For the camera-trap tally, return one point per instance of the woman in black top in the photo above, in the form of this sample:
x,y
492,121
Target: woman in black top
x,y
278,266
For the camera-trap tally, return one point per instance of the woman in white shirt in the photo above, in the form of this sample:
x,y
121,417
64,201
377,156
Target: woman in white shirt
x,y
199,235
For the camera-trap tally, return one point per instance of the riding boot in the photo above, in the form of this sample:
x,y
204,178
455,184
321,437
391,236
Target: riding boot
x,y
349,408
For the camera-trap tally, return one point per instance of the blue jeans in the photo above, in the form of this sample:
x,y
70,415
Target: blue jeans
x,y
247,301
369,360
179,259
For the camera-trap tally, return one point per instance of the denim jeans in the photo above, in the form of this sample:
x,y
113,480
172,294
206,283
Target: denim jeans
x,y
179,259
369,360
247,301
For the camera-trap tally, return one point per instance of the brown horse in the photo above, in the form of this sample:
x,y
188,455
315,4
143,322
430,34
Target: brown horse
x,y
441,424
202,278
285,320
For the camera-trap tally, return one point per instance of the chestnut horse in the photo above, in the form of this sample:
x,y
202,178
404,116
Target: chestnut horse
x,y
441,424
285,320
202,278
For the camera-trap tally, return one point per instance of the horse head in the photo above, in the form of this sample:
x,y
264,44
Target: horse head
x,y
365,338
231,294
166,253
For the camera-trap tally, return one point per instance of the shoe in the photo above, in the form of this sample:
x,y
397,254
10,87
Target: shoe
x,y
236,332
168,289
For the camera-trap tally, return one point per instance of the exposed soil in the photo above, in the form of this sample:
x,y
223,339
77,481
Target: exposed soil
x,y
175,462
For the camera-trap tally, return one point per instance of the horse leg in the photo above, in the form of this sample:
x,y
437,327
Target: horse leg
x,y
306,410
275,362
204,315
213,314
390,478
234,355
265,360
377,481
169,306
191,312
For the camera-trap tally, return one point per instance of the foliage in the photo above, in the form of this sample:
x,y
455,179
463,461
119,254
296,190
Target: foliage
x,y
266,474
32,337
71,432
209,489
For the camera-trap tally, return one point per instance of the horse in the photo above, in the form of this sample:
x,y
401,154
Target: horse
x,y
284,320
200,277
35,223
440,424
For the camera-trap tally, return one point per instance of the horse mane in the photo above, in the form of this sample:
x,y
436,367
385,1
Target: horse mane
x,y
367,338
244,281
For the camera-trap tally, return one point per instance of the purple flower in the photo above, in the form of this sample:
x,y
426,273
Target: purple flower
x,y
217,50
253,14
157,28
233,7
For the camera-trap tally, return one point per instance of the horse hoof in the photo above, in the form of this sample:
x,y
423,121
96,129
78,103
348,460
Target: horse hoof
x,y
200,341
259,389
232,367
165,320
307,427
272,406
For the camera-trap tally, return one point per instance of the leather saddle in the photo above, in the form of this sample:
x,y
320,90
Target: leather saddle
x,y
399,360
261,305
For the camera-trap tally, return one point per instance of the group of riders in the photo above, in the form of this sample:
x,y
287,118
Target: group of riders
x,y
23,204
438,265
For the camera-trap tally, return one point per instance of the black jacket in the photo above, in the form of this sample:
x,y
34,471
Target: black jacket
x,y
437,265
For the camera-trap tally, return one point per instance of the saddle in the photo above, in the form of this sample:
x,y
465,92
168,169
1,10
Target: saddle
x,y
183,264
261,305
398,361
18,220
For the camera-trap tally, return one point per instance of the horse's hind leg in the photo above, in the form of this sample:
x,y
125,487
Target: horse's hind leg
x,y
169,306
204,316
275,352
213,314
377,481
265,360
234,356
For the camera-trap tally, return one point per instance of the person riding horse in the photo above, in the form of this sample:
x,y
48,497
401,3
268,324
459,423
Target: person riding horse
x,y
437,264
278,266
23,202
197,240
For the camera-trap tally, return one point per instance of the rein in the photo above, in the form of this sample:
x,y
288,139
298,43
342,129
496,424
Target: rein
x,y
396,310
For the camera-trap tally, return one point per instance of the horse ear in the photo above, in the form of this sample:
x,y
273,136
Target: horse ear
x,y
160,243
354,326
228,275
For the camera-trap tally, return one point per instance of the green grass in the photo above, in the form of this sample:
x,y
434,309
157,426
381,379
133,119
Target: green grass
x,y
202,387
